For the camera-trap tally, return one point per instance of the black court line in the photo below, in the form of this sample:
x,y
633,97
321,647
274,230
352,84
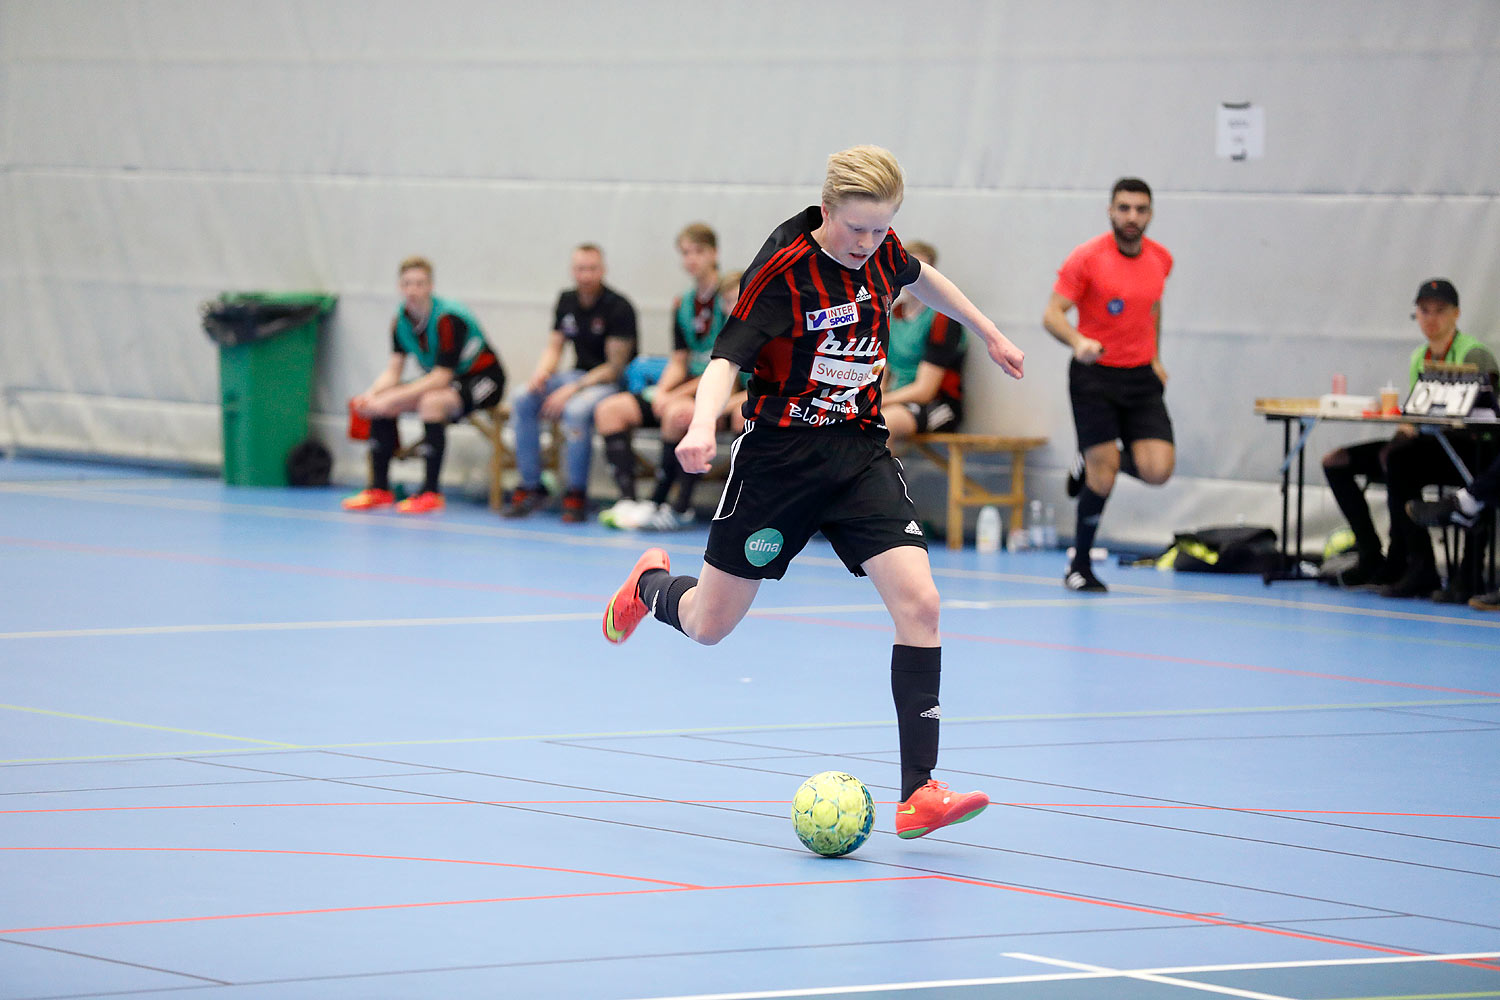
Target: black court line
x,y
1378,911
786,848
113,961
1265,813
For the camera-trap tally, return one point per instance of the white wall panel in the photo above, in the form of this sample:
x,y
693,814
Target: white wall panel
x,y
155,152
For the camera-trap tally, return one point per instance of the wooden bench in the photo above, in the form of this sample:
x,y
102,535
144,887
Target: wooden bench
x,y
963,491
491,426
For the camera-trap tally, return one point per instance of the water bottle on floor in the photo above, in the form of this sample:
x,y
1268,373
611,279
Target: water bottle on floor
x,y
987,530
1036,531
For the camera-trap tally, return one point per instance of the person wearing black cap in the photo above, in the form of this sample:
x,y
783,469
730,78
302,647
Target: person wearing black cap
x,y
1405,463
1420,460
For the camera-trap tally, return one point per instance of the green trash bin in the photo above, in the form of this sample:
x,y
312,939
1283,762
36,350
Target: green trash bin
x,y
267,346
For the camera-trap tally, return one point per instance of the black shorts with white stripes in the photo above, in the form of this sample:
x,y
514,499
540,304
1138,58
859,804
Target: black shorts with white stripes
x,y
942,414
786,484
481,390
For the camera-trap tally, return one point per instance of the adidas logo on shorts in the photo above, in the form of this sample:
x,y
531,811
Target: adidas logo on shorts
x,y
912,528
863,295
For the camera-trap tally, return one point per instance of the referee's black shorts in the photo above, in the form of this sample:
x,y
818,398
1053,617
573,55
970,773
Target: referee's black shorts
x,y
1123,404
784,485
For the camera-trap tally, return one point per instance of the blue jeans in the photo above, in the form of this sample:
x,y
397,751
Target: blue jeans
x,y
577,426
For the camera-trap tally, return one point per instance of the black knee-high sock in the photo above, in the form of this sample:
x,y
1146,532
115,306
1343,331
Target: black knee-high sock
x,y
671,469
915,672
1090,506
433,446
621,458
383,444
663,592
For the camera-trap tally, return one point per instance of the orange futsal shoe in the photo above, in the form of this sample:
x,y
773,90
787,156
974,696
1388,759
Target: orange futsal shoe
x,y
934,805
369,500
626,609
423,503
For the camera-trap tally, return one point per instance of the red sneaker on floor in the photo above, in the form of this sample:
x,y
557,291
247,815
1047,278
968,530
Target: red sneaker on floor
x,y
423,503
626,609
369,500
575,507
935,805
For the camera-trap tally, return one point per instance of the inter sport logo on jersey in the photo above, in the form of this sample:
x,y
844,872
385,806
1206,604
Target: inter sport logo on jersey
x,y
841,315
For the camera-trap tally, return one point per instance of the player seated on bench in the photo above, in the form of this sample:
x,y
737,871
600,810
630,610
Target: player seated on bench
x,y
668,405
922,391
461,374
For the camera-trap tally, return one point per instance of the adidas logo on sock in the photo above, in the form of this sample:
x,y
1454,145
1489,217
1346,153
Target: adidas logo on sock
x,y
935,712
912,528
863,295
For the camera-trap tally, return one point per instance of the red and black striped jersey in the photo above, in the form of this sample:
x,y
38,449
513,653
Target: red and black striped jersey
x,y
813,331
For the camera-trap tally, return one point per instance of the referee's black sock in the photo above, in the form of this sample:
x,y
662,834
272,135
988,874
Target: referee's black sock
x,y
383,445
915,672
663,592
433,446
621,458
1090,506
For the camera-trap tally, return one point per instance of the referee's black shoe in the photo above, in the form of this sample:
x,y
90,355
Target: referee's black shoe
x,y
1075,475
1082,578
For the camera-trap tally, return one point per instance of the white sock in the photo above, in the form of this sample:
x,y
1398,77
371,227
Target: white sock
x,y
1467,503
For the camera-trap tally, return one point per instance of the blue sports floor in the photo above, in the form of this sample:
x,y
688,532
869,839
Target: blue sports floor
x,y
254,747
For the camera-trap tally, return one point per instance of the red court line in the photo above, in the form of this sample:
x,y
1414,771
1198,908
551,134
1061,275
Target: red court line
x,y
338,574
344,854
1135,655
736,802
667,887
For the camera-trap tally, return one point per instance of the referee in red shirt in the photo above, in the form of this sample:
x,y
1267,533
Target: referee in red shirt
x,y
1116,378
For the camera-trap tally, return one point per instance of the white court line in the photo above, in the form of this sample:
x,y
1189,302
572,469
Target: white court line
x,y
1150,977
934,984
1100,974
81,633
528,619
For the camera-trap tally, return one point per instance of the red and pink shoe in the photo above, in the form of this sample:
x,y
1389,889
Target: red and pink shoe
x,y
934,806
626,609
371,499
423,503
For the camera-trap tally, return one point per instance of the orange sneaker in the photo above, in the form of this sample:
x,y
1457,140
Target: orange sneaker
x,y
423,503
934,806
626,609
369,500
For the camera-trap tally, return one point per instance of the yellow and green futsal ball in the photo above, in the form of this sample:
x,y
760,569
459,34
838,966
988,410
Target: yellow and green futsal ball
x,y
833,813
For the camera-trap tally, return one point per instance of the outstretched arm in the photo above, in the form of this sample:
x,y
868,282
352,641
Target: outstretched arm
x,y
696,450
937,292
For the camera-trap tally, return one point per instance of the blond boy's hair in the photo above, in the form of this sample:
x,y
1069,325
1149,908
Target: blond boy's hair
x,y
699,234
415,263
863,172
922,249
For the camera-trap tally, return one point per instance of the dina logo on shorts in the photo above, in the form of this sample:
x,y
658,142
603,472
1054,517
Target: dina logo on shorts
x,y
763,546
1115,306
